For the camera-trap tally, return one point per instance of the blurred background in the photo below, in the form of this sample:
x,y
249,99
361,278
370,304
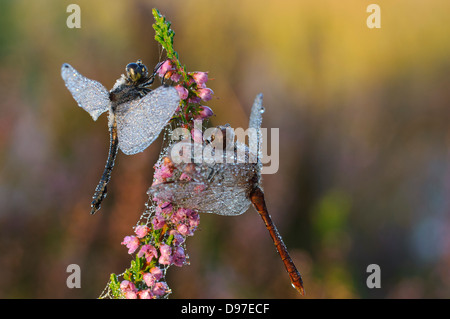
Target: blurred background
x,y
364,174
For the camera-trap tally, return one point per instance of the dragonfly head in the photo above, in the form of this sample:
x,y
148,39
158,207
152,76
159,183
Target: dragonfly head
x,y
136,72
221,136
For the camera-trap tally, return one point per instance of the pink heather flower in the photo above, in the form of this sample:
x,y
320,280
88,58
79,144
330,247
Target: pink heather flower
x,y
157,273
182,91
130,295
205,94
149,252
145,294
157,200
166,252
182,212
163,172
164,208
200,77
175,77
194,100
142,231
183,230
192,214
132,243
178,239
194,219
204,113
160,289
158,210
149,279
127,286
158,222
165,67
165,260
178,216
179,257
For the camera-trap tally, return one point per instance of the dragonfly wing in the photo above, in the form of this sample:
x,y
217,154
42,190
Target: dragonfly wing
x,y
140,121
256,113
91,95
221,200
255,135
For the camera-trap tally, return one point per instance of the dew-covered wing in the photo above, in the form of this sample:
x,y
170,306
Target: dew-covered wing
x,y
256,113
217,188
255,135
140,121
91,95
218,199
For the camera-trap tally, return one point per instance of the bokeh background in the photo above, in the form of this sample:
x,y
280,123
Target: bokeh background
x,y
364,174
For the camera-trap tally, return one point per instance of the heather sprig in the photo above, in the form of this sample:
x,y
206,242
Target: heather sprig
x,y
156,245
164,35
159,237
191,86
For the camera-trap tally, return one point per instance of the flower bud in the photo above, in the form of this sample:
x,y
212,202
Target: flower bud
x,y
166,252
182,91
205,94
145,294
165,67
175,77
157,273
204,113
160,289
141,231
200,78
149,279
131,242
179,256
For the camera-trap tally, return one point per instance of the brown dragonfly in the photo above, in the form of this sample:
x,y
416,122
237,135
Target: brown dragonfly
x,y
224,187
137,114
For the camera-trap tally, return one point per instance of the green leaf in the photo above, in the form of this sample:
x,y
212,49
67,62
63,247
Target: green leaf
x,y
127,274
169,240
114,285
164,34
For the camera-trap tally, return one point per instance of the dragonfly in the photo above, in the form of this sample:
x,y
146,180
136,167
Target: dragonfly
x,y
136,117
224,188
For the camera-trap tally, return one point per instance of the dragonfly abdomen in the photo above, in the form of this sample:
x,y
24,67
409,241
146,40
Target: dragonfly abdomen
x,y
101,189
258,201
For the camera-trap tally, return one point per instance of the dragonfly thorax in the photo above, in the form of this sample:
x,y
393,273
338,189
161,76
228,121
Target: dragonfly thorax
x,y
123,92
131,86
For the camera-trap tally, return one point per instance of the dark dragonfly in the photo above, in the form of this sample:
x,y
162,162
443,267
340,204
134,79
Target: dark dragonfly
x,y
136,114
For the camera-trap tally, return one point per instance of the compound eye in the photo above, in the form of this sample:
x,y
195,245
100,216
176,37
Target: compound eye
x,y
136,71
143,70
133,71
